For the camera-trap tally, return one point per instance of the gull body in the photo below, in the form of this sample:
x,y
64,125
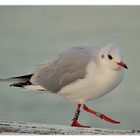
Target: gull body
x,y
93,78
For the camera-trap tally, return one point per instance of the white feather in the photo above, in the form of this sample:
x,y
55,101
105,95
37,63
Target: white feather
x,y
34,88
98,82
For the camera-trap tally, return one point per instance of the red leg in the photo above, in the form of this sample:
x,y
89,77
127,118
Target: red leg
x,y
102,116
75,122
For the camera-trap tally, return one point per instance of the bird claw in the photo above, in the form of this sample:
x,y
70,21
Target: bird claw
x,y
75,123
104,117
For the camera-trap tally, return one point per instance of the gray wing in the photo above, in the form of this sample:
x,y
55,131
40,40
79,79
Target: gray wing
x,y
69,67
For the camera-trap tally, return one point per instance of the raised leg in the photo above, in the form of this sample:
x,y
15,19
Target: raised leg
x,y
102,116
75,122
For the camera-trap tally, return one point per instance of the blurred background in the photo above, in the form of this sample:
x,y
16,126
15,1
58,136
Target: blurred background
x,y
31,35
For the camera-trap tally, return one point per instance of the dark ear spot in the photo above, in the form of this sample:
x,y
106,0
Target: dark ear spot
x,y
102,56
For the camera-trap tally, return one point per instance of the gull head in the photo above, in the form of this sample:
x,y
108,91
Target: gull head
x,y
111,57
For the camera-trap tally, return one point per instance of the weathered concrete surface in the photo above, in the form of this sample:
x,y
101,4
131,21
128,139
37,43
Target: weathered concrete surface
x,y
19,128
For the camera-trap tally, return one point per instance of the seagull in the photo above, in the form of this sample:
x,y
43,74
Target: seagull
x,y
79,74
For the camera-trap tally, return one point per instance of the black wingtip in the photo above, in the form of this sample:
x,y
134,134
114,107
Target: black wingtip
x,y
17,85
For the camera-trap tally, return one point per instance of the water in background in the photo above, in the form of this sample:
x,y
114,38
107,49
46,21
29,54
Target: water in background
x,y
30,35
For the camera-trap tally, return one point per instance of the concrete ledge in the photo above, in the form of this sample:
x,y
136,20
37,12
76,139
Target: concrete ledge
x,y
27,128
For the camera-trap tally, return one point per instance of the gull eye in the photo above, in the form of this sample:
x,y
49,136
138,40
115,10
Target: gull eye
x,y
110,57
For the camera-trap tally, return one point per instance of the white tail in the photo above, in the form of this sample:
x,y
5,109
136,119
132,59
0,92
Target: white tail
x,y
35,88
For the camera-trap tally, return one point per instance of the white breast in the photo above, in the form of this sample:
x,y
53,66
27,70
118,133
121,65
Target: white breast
x,y
96,83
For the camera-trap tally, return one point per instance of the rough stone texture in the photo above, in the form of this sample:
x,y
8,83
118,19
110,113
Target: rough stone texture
x,y
26,128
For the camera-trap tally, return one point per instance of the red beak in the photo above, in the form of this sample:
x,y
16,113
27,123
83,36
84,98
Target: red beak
x,y
122,64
